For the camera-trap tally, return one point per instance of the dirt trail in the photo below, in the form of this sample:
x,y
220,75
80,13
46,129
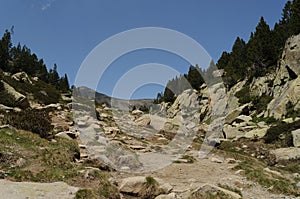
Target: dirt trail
x,y
186,177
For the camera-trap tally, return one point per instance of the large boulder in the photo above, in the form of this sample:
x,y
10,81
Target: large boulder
x,y
21,99
234,114
143,187
21,77
262,85
286,154
144,120
61,190
287,81
207,189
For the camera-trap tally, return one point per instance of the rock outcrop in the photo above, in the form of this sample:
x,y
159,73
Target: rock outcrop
x,y
20,99
143,187
286,88
21,77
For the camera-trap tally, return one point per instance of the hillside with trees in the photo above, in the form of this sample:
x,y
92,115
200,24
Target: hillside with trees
x,y
15,59
247,60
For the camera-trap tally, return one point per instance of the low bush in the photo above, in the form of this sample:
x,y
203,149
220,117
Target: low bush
x,y
36,121
244,95
281,133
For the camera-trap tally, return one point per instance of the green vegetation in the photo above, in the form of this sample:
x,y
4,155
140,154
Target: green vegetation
x,y
253,168
85,194
151,181
280,133
263,50
41,91
6,99
14,59
254,171
150,188
46,161
292,111
33,120
254,58
259,103
268,120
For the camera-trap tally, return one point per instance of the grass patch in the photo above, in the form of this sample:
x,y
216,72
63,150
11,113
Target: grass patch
x,y
50,162
254,168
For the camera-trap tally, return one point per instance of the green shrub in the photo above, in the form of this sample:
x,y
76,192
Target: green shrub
x,y
36,121
268,120
244,95
7,99
41,91
281,132
260,103
85,194
291,112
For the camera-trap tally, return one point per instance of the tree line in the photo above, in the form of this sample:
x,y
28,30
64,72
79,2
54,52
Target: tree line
x,y
14,59
249,59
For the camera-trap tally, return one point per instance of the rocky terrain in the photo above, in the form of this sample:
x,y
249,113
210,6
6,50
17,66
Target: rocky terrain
x,y
211,143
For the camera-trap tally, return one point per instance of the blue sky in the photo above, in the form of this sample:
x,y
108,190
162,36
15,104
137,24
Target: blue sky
x,y
65,31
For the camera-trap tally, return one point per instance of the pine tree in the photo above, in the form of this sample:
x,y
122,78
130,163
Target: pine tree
x,y
53,77
295,17
168,95
223,61
260,48
195,77
5,48
63,84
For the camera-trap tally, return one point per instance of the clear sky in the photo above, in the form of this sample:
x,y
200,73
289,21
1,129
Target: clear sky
x,y
65,31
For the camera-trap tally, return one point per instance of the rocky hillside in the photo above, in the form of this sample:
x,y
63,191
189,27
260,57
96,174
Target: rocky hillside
x,y
214,142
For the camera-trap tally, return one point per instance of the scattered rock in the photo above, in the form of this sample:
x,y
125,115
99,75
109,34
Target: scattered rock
x,y
111,130
68,135
137,113
137,147
235,113
212,189
215,159
259,133
21,77
6,126
144,120
230,161
166,196
284,154
20,162
243,118
141,187
296,175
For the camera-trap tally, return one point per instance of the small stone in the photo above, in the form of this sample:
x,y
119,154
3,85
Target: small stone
x,y
20,162
217,160
296,175
230,161
182,161
239,171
